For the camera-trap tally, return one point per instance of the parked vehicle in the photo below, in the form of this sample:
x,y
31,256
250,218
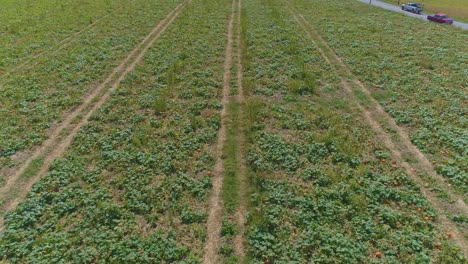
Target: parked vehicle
x,y
440,18
413,7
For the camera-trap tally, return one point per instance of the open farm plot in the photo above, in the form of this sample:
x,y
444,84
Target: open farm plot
x,y
134,184
440,193
322,186
34,100
421,82
229,131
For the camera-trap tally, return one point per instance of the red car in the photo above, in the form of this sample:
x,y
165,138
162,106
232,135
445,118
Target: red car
x,y
440,18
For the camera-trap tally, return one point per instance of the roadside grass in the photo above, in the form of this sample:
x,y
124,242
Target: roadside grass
x,y
457,9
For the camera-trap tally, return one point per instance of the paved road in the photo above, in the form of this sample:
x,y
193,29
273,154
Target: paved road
x,y
398,9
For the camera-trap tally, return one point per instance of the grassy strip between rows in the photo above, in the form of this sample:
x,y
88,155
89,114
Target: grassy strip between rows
x,y
324,191
233,196
231,184
231,171
134,185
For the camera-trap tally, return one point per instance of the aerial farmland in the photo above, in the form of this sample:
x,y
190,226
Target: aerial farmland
x,y
231,131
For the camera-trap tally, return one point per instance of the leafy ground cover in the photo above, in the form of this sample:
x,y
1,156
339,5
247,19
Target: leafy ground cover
x,y
133,186
31,27
323,190
35,98
419,80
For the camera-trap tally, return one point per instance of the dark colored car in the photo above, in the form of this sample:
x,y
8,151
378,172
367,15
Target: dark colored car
x,y
413,7
440,18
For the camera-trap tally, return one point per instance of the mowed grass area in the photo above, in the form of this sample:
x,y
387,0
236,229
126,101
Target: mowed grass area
x,y
457,9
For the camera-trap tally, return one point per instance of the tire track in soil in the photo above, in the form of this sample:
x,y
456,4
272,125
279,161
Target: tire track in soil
x,y
371,118
55,146
242,167
406,145
215,203
19,156
439,206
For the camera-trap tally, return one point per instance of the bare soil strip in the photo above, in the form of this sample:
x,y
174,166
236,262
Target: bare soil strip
x,y
378,113
242,167
56,145
215,204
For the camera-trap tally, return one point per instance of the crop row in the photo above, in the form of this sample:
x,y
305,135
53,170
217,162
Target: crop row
x,y
134,184
419,77
322,189
35,98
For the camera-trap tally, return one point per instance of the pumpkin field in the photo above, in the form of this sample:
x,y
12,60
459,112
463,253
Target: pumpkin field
x,y
230,131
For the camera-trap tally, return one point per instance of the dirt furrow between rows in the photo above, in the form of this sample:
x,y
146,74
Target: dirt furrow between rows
x,y
215,203
371,118
242,166
57,143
